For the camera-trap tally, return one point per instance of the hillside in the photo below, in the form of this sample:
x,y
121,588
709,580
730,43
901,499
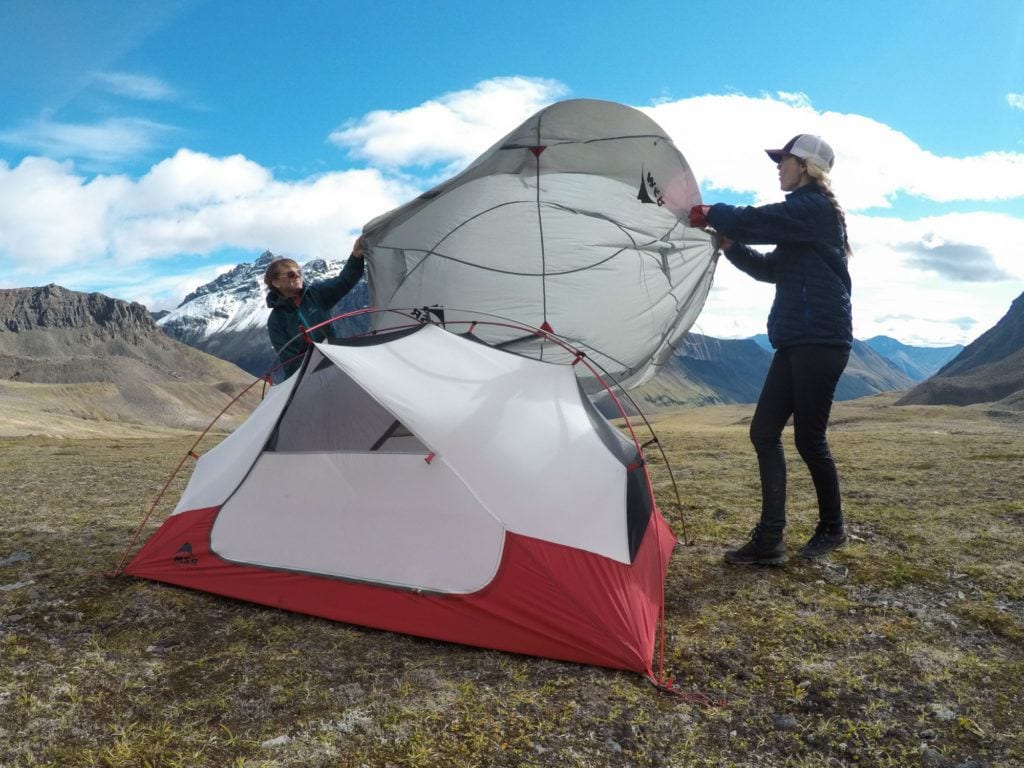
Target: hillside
x,y
989,370
918,363
868,373
733,369
70,358
707,371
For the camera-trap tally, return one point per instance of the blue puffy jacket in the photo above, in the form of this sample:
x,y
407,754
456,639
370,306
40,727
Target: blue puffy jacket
x,y
808,265
314,307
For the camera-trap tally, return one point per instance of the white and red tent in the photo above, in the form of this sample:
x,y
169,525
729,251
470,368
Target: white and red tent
x,y
423,482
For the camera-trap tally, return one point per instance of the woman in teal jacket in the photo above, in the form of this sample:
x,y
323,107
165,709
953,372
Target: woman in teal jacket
x,y
295,307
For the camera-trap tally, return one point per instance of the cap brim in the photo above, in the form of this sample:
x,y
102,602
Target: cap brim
x,y
776,154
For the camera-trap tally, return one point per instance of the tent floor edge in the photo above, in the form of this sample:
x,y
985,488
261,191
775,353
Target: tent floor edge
x,y
578,607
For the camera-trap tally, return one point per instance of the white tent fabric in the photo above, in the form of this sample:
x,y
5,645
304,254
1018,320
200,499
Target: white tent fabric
x,y
221,470
576,219
384,518
489,442
506,424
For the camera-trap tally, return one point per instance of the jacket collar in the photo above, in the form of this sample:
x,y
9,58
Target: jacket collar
x,y
277,300
808,188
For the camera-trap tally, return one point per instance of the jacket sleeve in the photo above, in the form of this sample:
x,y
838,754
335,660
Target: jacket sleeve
x,y
792,221
276,331
759,266
330,291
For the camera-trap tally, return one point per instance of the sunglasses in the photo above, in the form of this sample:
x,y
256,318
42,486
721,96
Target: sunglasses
x,y
291,274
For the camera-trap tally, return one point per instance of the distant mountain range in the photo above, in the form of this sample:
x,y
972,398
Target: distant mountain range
x,y
87,358
227,317
706,370
916,363
66,355
989,370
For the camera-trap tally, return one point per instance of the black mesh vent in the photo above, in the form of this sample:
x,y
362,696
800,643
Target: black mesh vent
x,y
639,506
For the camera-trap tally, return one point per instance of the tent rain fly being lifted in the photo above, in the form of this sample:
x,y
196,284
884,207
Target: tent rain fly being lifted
x,y
575,222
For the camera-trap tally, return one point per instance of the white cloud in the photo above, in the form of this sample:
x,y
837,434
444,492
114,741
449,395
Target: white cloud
x,y
314,218
55,224
453,129
1015,100
140,281
51,217
191,180
905,286
723,138
958,261
894,293
165,291
142,87
936,279
110,141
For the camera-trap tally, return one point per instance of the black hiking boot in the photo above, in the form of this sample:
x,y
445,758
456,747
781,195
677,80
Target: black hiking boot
x,y
825,539
765,547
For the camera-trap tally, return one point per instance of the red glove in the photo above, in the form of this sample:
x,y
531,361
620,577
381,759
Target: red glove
x,y
699,216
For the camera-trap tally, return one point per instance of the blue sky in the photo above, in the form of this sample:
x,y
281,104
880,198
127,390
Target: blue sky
x,y
147,146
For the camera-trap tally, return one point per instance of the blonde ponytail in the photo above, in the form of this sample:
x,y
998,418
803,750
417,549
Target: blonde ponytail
x,y
821,178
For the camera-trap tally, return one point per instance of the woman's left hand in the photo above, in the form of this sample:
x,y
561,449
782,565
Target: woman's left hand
x,y
699,216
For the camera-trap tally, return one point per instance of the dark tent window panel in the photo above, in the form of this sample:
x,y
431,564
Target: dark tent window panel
x,y
330,412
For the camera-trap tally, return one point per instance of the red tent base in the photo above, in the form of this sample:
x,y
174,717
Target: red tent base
x,y
546,599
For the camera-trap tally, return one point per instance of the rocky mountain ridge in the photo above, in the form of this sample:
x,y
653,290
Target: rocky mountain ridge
x,y
55,307
989,370
71,355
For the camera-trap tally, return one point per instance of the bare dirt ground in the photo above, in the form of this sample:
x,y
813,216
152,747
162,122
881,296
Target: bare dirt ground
x,y
905,648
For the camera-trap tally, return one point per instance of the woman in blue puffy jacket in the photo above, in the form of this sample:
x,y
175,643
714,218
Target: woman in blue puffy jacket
x,y
811,328
295,306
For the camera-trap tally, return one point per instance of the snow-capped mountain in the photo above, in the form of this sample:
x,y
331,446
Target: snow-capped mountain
x,y
227,317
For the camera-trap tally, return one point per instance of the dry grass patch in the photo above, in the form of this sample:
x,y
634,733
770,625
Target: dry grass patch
x,y
906,648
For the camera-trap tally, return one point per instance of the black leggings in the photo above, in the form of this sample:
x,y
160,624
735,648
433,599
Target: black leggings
x,y
800,383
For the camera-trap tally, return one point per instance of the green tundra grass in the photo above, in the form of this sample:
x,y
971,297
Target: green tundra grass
x,y
905,648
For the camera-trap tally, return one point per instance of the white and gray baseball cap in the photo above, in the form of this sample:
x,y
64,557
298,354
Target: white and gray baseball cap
x,y
812,149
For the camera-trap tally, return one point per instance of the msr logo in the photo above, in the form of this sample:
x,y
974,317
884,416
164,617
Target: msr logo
x,y
428,314
649,190
184,556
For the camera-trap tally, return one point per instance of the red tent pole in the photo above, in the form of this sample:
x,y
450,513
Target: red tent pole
x,y
190,454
